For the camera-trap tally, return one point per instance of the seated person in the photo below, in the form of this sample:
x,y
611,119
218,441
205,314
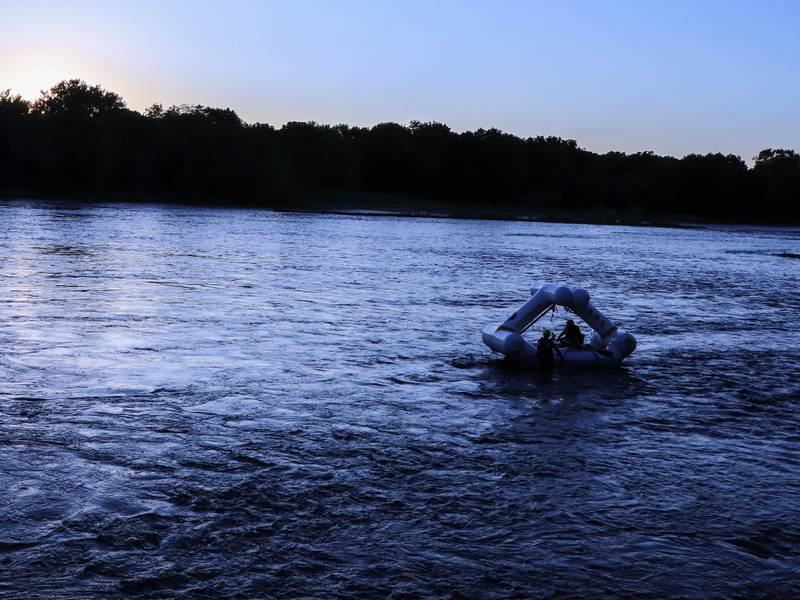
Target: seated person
x,y
571,336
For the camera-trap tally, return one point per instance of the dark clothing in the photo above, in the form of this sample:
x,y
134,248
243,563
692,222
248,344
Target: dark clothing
x,y
571,336
544,353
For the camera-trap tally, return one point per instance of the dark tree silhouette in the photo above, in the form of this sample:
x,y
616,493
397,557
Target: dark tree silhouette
x,y
14,139
76,98
777,174
80,139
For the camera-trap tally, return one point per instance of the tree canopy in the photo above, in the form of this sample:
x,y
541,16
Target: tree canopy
x,y
78,138
76,98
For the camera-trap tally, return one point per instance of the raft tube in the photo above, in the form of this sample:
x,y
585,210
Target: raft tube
x,y
609,345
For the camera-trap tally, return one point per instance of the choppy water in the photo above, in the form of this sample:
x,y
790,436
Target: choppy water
x,y
212,403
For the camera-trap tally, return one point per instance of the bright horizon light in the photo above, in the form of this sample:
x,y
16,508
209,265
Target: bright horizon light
x,y
30,73
29,76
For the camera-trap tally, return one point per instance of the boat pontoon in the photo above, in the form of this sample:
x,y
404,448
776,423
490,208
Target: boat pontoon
x,y
609,345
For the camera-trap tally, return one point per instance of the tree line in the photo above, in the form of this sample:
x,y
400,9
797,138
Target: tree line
x,y
78,139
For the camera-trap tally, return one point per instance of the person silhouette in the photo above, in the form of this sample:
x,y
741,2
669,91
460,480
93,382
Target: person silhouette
x,y
571,336
544,350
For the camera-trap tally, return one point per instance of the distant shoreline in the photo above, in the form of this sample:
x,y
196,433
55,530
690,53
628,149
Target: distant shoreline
x,y
482,215
83,141
366,204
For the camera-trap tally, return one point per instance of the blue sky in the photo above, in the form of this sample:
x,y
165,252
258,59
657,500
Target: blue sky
x,y
672,76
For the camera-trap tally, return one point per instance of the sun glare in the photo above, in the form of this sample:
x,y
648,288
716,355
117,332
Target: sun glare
x,y
30,79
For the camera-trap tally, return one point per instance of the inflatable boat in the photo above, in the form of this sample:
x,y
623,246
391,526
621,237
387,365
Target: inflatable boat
x,y
608,346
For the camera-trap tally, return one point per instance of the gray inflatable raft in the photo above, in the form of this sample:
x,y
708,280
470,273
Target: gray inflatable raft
x,y
609,345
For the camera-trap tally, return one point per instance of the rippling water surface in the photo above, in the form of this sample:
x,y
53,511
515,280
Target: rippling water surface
x,y
230,403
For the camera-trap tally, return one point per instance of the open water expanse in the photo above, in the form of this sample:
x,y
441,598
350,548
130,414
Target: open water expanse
x,y
201,403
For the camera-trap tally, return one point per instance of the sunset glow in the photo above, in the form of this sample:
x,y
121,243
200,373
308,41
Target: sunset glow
x,y
30,76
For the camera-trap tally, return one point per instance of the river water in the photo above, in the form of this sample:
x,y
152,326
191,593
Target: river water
x,y
246,404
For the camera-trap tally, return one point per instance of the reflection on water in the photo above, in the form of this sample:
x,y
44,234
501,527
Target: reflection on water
x,y
197,402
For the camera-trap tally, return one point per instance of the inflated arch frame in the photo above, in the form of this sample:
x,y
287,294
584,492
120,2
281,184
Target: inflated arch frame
x,y
609,345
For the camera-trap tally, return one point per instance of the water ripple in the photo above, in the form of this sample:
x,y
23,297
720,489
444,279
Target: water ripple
x,y
210,403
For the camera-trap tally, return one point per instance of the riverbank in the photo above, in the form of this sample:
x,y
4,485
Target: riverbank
x,y
376,204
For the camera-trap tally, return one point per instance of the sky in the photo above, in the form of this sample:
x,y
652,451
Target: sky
x,y
670,76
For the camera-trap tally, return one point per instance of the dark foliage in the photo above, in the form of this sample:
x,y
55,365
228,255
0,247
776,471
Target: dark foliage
x,y
81,139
